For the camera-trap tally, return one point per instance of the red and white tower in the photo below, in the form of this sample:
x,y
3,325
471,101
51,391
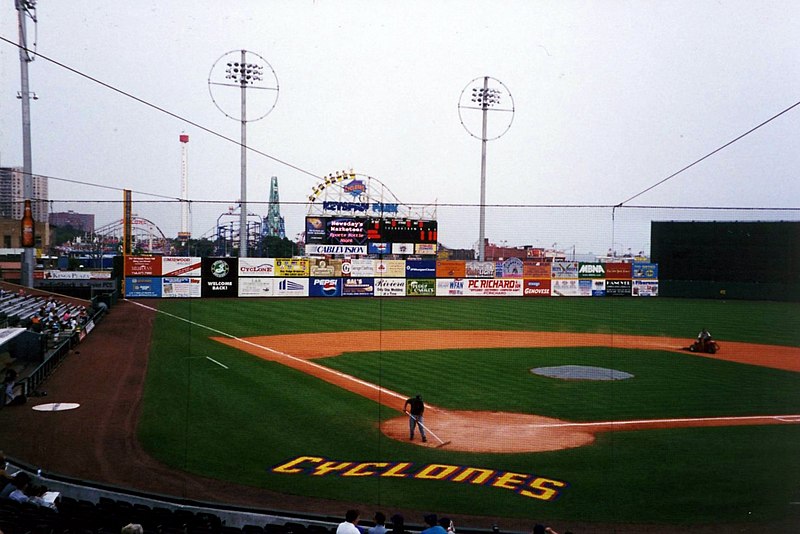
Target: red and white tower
x,y
185,233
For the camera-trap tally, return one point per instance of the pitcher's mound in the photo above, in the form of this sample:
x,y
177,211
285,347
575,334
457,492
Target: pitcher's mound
x,y
491,432
581,372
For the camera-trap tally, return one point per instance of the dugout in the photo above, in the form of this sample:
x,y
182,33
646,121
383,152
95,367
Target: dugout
x,y
751,260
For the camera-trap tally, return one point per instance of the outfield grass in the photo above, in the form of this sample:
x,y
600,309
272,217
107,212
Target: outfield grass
x,y
238,422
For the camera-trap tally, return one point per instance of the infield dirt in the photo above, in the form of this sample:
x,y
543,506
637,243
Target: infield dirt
x,y
497,432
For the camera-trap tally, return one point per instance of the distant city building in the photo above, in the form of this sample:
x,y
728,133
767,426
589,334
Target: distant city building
x,y
78,221
12,195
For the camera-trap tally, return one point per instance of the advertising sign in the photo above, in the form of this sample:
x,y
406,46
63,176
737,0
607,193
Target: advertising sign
x,y
450,287
598,288
181,287
358,287
564,269
537,270
645,288
536,288
379,248
256,267
325,287
403,248
495,287
566,287
180,266
219,277
142,266
315,230
421,288
252,286
451,269
362,267
321,267
618,271
142,287
645,270
300,267
390,287
585,287
480,269
425,249
591,270
390,268
618,288
291,287
421,269
510,268
340,250
346,231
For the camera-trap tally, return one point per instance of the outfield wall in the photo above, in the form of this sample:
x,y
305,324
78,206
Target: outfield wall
x,y
194,277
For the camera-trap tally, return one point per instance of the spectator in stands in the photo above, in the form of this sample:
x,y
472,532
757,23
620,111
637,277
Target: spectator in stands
x,y
5,477
398,524
18,484
35,494
380,524
9,381
349,525
132,528
433,525
447,524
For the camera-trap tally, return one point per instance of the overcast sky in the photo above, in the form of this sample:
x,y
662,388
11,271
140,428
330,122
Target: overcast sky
x,y
610,97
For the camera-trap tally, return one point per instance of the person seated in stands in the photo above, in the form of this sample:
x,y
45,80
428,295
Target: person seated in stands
x,y
398,524
447,524
349,525
19,483
433,525
5,476
9,381
35,494
380,524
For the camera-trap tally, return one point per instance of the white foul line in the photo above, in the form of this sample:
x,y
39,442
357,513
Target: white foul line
x,y
782,418
370,385
280,353
215,361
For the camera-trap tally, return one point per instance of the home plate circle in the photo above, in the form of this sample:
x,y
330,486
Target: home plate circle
x,y
56,406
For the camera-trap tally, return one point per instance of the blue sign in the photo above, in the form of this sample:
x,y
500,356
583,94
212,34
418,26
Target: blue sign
x,y
143,287
421,269
325,287
379,248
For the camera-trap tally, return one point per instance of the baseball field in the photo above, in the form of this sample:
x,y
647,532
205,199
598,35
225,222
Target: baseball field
x,y
305,397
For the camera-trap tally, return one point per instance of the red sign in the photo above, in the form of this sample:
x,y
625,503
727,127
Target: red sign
x,y
536,288
618,271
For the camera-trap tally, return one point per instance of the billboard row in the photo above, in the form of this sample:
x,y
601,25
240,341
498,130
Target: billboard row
x,y
189,277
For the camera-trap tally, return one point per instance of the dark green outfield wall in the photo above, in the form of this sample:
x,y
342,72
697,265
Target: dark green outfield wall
x,y
703,289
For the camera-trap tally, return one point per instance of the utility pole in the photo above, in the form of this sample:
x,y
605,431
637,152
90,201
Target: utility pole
x,y
26,8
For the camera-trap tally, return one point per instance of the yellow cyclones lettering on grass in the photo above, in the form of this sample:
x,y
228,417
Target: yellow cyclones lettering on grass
x,y
359,470
526,485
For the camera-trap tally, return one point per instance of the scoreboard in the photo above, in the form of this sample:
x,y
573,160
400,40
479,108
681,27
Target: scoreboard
x,y
361,230
382,230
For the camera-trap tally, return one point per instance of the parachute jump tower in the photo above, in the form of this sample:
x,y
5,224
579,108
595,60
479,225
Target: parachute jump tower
x,y
273,223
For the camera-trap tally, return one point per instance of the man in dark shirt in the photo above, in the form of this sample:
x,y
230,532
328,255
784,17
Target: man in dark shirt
x,y
417,407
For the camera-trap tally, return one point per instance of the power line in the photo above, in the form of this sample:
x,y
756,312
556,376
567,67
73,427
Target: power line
x,y
162,110
729,143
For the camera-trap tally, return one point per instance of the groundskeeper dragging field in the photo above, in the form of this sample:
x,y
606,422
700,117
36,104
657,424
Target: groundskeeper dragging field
x,y
414,407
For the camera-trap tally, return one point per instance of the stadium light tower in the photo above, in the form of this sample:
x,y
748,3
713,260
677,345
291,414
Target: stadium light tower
x,y
485,97
236,69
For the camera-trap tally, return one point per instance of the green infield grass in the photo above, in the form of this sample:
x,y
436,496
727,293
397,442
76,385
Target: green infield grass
x,y
217,411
